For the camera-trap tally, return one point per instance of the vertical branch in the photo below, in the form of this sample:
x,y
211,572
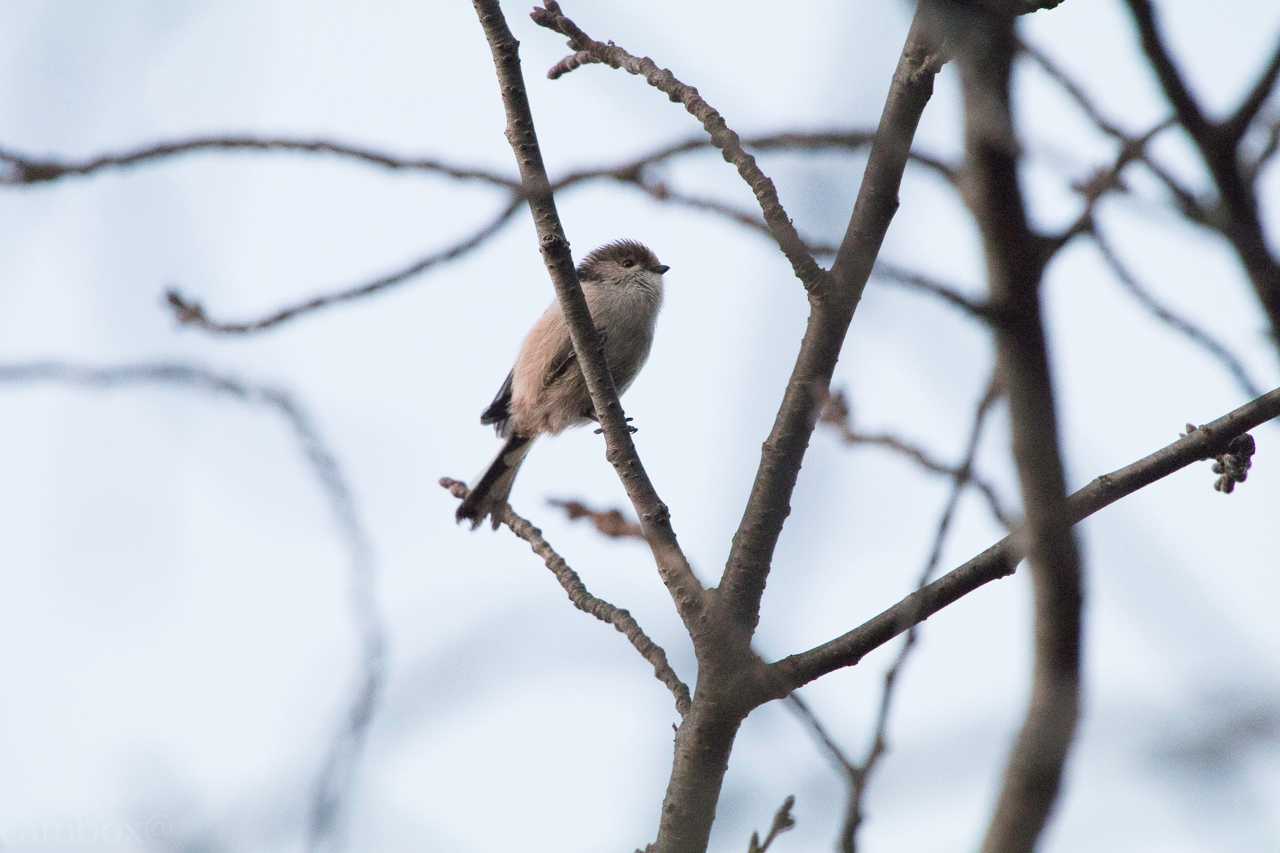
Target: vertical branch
x,y
833,303
1015,261
674,568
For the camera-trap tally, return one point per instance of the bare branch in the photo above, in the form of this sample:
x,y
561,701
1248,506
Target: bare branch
x,y
674,568
1238,217
1175,89
1238,124
335,778
1132,148
1015,258
722,136
611,523
192,313
782,822
838,416
1183,326
24,169
1000,560
832,308
582,599
860,775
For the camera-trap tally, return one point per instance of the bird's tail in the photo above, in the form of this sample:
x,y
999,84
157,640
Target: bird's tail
x,y
490,491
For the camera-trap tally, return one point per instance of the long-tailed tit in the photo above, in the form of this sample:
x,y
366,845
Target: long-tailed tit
x,y
545,391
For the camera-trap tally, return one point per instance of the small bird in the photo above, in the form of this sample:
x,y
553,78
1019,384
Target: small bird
x,y
545,391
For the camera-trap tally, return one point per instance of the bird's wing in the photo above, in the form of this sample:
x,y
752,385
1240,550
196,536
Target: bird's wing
x,y
565,359
500,409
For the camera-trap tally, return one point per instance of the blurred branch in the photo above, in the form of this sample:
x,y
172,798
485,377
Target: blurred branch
x,y
860,776
1238,124
837,415
611,523
336,775
782,822
722,136
1237,217
1183,326
1132,148
582,599
25,169
1000,560
1015,264
192,313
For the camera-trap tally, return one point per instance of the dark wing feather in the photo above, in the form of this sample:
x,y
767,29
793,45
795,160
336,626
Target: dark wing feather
x,y
500,409
566,359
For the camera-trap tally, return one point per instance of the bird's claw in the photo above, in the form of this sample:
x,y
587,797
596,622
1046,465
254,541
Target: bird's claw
x,y
631,429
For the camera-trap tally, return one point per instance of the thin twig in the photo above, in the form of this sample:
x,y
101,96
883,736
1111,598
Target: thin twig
x,y
1000,560
1183,326
782,822
722,136
611,523
192,313
1255,99
837,414
25,169
334,780
582,599
860,776
1132,148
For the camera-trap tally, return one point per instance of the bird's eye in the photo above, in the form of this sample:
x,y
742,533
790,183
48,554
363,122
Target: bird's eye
x,y
628,263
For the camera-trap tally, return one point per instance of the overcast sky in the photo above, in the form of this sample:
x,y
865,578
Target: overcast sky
x,y
180,636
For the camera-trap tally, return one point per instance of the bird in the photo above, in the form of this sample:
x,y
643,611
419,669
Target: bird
x,y
545,392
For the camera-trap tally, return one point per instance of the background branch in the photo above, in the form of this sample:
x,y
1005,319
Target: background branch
x,y
582,599
1000,560
334,779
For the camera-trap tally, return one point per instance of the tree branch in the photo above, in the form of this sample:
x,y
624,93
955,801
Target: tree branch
x,y
722,136
1183,326
1001,559
24,169
1015,262
1238,124
334,780
611,523
782,822
837,415
1238,218
191,313
860,775
832,307
582,599
673,567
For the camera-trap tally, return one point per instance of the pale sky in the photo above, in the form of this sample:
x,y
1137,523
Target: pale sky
x,y
177,639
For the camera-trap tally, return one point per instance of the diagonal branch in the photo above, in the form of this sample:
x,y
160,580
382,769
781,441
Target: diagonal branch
x,y
1000,560
335,779
1183,326
582,599
192,313
832,307
1238,124
722,136
1238,218
860,775
673,566
837,415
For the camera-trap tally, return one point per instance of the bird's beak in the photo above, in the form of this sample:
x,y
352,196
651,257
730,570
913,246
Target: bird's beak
x,y
661,268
